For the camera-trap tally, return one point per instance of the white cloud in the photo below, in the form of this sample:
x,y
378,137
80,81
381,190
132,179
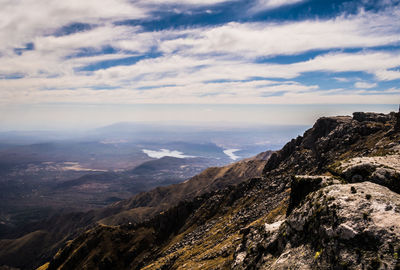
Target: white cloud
x,y
341,79
177,79
372,62
181,70
179,96
269,39
272,4
95,38
387,75
21,21
365,85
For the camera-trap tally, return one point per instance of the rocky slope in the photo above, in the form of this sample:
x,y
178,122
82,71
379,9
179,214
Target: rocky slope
x,y
40,241
328,200
147,204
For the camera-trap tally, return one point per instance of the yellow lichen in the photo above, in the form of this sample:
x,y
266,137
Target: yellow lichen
x,y
317,254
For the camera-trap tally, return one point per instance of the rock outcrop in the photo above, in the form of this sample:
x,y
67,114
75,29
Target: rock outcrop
x,y
383,170
355,226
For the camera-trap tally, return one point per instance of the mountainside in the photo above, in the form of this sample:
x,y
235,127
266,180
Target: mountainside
x,y
48,235
328,200
147,204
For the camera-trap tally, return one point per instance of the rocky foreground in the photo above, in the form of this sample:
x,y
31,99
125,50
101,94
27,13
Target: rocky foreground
x,y
328,200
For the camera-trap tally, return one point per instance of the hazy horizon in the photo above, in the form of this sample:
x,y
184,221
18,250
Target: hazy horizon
x,y
82,118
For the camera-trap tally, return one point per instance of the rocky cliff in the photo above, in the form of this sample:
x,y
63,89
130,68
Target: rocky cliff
x,y
328,200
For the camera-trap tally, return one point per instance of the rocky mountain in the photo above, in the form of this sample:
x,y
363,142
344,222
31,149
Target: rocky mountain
x,y
41,240
327,200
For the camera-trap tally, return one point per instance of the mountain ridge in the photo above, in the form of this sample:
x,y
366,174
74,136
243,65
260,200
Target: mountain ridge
x,y
248,225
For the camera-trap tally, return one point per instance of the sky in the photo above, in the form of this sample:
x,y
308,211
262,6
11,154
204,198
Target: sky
x,y
89,63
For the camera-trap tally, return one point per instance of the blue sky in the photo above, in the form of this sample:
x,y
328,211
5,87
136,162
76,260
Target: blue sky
x,y
204,52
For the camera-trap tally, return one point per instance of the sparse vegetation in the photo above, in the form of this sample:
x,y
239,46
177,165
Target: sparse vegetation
x,y
317,254
44,266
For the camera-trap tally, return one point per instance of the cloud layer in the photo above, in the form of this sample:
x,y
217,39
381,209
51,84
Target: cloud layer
x,y
113,53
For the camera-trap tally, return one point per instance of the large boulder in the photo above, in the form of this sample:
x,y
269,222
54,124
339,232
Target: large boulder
x,y
383,170
342,226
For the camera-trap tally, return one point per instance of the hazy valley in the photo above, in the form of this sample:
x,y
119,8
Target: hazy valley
x,y
43,174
